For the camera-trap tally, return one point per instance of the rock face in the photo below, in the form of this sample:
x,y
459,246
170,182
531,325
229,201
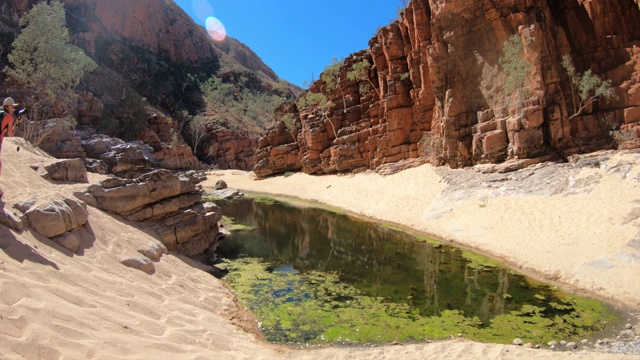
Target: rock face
x,y
169,203
142,22
438,89
230,149
105,154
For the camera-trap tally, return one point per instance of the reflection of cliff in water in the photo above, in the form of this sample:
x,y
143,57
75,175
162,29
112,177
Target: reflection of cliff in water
x,y
379,261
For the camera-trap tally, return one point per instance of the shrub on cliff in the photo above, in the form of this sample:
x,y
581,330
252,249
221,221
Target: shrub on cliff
x,y
331,77
588,86
359,72
318,102
515,68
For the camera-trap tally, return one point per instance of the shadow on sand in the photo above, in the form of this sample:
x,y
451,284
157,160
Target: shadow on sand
x,y
21,252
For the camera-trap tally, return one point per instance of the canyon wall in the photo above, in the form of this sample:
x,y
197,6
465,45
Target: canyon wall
x,y
438,90
153,50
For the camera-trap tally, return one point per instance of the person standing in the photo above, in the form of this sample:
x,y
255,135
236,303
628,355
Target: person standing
x,y
8,125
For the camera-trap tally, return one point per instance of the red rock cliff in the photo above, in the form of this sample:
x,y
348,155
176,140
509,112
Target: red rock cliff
x,y
439,89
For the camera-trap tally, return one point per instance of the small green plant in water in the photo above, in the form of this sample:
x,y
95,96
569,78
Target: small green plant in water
x,y
230,224
316,307
209,198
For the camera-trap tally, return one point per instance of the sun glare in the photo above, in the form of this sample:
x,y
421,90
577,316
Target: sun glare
x,y
204,13
215,29
202,9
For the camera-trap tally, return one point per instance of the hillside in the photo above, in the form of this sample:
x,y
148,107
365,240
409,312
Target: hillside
x,y
151,55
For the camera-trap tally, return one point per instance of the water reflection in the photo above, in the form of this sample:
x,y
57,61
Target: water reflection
x,y
379,261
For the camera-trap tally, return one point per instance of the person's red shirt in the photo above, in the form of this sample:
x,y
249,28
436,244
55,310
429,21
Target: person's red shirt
x,y
7,128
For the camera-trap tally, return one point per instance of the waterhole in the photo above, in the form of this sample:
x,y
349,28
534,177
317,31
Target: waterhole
x,y
313,276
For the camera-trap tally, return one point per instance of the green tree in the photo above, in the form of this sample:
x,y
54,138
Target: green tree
x,y
589,87
331,77
43,62
360,71
515,67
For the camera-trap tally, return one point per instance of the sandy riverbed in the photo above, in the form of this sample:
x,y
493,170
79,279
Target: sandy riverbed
x,y
59,305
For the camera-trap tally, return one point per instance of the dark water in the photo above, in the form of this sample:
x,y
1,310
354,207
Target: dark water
x,y
391,265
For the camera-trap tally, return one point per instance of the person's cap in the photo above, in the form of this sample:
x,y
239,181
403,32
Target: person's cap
x,y
9,102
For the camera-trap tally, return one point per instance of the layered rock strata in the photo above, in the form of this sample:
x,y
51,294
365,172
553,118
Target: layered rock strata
x,y
166,202
438,89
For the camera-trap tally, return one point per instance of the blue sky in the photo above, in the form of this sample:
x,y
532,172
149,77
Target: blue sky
x,y
298,38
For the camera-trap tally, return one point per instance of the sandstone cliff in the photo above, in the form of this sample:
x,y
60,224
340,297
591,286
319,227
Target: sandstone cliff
x,y
439,89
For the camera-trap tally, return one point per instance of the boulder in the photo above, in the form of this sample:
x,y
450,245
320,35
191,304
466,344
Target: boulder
x,y
154,251
220,184
96,166
61,220
70,240
119,156
191,231
227,193
140,263
55,217
72,170
11,220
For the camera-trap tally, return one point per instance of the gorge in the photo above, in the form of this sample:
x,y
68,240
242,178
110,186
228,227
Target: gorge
x,y
524,180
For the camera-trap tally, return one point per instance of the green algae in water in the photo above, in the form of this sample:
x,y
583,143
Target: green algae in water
x,y
231,225
315,277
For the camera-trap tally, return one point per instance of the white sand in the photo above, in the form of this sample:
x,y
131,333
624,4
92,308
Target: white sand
x,y
59,305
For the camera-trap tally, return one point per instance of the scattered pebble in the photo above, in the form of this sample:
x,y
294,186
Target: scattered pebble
x,y
626,343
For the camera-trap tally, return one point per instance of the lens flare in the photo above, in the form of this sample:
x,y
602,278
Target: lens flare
x,y
202,9
215,29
